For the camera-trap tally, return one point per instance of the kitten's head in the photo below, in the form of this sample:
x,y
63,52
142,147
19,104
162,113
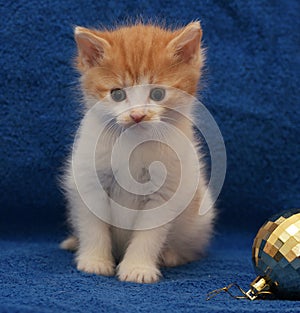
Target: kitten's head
x,y
134,70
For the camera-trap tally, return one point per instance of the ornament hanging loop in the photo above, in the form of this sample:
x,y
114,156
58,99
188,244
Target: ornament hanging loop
x,y
226,289
260,289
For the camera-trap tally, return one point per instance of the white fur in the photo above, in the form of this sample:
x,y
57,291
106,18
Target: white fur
x,y
139,252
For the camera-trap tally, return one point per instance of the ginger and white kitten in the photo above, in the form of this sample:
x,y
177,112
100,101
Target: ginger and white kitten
x,y
111,64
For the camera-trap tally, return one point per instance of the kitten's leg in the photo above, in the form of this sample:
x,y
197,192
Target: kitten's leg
x,y
94,254
189,236
140,263
170,258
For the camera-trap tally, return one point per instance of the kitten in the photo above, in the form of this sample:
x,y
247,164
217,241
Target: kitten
x,y
131,78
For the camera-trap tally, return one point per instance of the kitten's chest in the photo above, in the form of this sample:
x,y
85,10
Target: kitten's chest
x,y
138,174
137,162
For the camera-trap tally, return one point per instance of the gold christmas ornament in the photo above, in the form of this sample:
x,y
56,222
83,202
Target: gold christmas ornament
x,y
276,259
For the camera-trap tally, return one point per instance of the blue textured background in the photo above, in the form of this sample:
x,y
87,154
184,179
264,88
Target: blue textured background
x,y
252,80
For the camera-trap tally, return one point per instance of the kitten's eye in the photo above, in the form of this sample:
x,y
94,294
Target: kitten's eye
x,y
118,95
157,94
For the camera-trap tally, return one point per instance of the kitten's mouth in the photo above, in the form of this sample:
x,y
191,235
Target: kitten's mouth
x,y
139,122
137,116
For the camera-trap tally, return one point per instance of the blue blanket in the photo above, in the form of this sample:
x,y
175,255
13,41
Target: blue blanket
x,y
252,90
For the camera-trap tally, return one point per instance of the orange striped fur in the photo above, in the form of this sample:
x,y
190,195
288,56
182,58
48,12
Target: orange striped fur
x,y
139,54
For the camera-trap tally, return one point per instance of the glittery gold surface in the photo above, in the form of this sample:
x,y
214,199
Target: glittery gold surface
x,y
276,253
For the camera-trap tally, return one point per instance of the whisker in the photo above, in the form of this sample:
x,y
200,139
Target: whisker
x,y
169,118
161,134
111,131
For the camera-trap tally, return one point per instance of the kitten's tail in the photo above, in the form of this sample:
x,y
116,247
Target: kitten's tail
x,y
70,243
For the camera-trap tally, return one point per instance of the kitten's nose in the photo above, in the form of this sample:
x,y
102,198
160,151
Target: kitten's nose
x,y
137,116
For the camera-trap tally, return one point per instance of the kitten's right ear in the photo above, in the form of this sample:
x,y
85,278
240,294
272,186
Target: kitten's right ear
x,y
91,48
186,44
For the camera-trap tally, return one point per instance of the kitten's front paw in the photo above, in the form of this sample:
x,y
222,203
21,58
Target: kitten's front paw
x,y
138,273
95,265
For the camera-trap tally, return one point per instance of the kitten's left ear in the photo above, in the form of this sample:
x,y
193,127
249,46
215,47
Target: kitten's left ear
x,y
186,45
91,48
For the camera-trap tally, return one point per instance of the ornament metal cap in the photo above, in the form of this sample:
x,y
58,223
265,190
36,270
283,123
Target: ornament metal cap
x,y
260,287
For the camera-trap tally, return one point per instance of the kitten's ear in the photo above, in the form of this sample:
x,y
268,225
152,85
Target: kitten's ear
x,y
186,45
91,48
